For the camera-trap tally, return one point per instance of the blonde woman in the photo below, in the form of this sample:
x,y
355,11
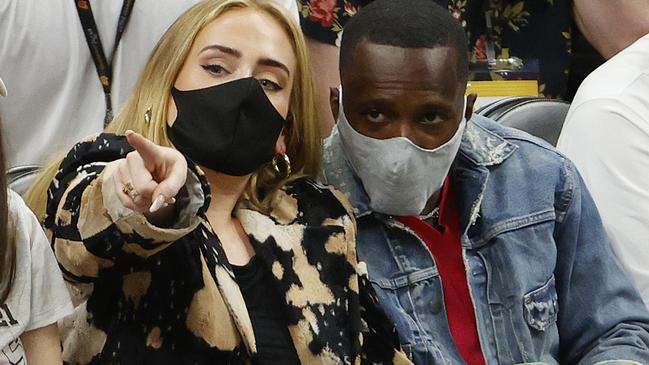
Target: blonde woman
x,y
198,238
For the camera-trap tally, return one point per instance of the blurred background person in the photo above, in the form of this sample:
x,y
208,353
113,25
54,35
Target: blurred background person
x,y
322,22
606,132
611,26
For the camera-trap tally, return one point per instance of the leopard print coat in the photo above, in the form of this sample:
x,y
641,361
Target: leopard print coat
x,y
152,295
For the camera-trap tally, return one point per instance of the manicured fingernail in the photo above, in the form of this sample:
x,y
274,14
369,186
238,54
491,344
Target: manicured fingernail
x,y
157,204
171,200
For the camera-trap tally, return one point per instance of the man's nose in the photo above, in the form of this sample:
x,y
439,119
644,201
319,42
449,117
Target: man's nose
x,y
406,129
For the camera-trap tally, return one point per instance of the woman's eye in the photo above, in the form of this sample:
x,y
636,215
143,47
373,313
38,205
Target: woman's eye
x,y
215,69
269,85
375,116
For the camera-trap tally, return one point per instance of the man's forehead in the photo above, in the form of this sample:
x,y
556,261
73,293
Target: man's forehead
x,y
384,66
368,47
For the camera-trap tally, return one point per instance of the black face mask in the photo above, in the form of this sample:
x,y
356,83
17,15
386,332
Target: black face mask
x,y
230,128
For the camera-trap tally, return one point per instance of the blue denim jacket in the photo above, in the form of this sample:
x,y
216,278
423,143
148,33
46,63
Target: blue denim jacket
x,y
545,285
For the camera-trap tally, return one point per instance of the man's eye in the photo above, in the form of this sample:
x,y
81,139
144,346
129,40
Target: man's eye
x,y
375,116
269,85
430,118
215,69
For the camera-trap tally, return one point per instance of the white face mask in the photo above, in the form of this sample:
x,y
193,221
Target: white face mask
x,y
398,176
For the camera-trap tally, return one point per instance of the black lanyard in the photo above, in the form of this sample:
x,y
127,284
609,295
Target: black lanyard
x,y
103,66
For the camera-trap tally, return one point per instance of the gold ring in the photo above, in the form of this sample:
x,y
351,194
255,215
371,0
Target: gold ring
x,y
129,190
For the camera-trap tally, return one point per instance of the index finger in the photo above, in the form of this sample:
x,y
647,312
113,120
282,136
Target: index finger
x,y
149,151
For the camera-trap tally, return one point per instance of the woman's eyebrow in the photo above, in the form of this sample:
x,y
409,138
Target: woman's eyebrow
x,y
274,63
224,49
236,53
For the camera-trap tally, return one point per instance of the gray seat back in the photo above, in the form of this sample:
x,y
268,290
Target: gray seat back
x,y
539,117
20,178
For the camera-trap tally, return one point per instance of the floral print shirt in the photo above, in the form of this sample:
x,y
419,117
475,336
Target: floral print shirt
x,y
323,20
532,30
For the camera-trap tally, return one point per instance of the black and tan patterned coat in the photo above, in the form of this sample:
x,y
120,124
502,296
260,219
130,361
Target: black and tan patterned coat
x,y
152,295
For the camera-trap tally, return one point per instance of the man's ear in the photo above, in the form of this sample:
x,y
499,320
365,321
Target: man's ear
x,y
334,101
470,102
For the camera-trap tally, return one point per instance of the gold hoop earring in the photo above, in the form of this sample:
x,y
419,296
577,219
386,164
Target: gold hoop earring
x,y
147,116
287,165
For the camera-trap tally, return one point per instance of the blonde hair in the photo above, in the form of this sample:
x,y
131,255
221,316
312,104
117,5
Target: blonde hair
x,y
152,90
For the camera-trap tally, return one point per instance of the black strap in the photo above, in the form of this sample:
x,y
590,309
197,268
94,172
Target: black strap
x,y
104,67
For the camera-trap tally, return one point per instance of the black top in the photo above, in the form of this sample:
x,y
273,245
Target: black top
x,y
274,343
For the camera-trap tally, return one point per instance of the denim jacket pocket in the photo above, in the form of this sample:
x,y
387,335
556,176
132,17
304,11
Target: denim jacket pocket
x,y
405,280
541,306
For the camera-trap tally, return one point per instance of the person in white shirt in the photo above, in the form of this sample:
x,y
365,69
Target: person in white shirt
x,y
56,97
611,26
606,134
33,296
38,297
